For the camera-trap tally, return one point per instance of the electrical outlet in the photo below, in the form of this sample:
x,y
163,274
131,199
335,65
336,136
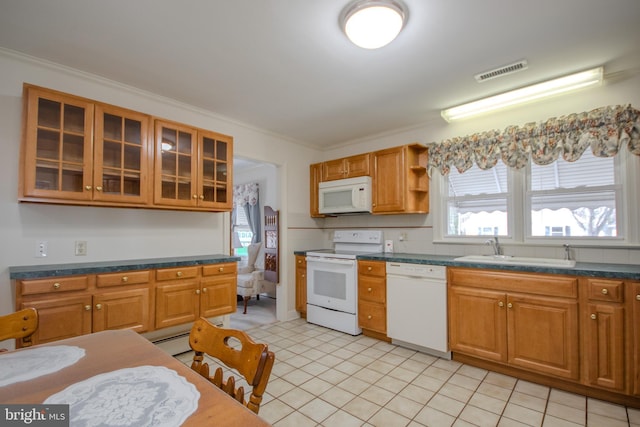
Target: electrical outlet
x,y
81,247
41,248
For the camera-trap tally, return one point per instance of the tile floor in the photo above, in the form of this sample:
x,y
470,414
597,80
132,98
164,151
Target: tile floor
x,y
326,378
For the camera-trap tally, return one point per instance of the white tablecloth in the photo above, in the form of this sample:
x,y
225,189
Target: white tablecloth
x,y
31,363
140,396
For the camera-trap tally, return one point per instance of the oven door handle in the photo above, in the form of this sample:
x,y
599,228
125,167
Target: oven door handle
x,y
323,260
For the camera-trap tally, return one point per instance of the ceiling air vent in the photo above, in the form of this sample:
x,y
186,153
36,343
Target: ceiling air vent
x,y
502,71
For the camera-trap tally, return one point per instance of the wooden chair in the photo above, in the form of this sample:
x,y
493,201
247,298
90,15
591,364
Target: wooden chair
x,y
20,324
251,360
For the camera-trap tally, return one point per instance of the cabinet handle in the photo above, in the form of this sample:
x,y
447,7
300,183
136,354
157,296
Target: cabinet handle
x,y
221,269
638,297
98,188
197,291
594,317
299,261
201,197
369,317
125,279
303,276
179,274
369,268
369,289
605,291
204,290
87,308
99,306
195,196
500,304
56,285
87,187
509,305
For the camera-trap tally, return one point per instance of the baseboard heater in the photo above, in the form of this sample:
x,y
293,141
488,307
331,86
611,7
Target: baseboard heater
x,y
177,342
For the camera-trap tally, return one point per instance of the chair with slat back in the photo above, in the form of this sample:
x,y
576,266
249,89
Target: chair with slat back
x,y
252,360
19,325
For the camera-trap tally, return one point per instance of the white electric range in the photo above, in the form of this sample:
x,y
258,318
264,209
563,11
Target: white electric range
x,y
332,279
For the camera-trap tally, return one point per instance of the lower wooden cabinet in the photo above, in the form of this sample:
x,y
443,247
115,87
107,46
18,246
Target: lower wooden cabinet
x,y
142,300
633,298
60,317
127,309
301,285
372,297
218,290
184,294
577,333
493,317
603,317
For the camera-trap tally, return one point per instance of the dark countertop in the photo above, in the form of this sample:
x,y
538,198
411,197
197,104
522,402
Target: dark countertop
x,y
52,270
620,271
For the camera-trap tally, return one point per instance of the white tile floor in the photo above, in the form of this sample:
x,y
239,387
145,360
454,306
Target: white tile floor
x,y
326,378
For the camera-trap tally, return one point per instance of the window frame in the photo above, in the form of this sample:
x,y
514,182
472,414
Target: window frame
x,y
627,177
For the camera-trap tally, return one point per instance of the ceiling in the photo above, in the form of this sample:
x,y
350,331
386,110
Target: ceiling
x,y
285,66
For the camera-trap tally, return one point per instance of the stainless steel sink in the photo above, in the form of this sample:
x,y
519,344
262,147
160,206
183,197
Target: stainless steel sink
x,y
516,260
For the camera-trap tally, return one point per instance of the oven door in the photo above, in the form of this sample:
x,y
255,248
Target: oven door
x,y
331,283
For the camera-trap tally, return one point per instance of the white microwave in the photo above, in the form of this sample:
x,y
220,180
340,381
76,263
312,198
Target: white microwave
x,y
351,195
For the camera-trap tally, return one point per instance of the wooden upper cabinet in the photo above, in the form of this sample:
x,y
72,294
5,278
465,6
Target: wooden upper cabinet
x,y
215,170
315,178
79,151
57,154
347,167
193,168
400,181
122,155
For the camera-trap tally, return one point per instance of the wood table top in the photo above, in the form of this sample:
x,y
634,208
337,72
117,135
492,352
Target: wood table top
x,y
109,351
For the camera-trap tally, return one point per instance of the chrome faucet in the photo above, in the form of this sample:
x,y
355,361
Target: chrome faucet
x,y
495,245
567,252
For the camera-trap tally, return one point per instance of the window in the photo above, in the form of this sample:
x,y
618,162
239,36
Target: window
x,y
582,200
242,233
579,196
477,202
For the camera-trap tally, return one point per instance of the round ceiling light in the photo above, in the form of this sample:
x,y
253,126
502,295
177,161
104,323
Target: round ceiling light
x,y
372,24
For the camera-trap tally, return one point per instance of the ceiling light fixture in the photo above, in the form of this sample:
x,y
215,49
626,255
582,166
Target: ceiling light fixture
x,y
372,24
525,94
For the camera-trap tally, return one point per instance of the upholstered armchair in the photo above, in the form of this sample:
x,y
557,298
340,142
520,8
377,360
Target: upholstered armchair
x,y
251,281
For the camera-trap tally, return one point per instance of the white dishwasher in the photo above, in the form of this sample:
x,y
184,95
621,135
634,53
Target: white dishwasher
x,y
417,307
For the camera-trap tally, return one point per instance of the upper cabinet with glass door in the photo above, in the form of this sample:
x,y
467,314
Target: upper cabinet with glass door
x,y
193,167
57,147
76,150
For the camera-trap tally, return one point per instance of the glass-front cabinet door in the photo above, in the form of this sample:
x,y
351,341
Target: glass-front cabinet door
x,y
216,170
58,146
121,167
176,165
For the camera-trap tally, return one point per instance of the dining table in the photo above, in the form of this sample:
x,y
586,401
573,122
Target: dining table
x,y
117,377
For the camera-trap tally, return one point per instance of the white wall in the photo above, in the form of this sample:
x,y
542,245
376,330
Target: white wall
x,y
623,88
122,233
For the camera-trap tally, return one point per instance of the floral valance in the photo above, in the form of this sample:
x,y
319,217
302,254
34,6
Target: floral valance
x,y
604,130
244,194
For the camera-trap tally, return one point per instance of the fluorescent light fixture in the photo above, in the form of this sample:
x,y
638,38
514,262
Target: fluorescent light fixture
x,y
372,24
525,94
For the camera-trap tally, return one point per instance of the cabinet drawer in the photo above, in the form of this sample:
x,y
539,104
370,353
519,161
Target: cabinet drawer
x,y
372,268
605,290
218,269
177,273
372,289
532,283
57,284
372,316
122,278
